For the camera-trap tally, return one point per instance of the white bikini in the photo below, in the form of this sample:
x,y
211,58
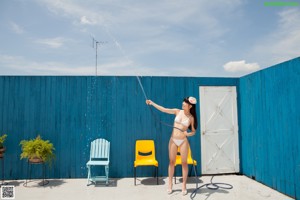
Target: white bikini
x,y
185,123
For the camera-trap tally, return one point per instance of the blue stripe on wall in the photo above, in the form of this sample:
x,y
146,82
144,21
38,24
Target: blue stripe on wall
x,y
71,111
269,126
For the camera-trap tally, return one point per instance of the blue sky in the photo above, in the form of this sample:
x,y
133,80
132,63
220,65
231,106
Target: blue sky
x,y
147,38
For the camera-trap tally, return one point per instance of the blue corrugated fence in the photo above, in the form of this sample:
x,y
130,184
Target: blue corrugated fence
x,y
72,111
269,116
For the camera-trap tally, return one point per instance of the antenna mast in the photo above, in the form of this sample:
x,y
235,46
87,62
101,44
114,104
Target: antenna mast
x,y
95,46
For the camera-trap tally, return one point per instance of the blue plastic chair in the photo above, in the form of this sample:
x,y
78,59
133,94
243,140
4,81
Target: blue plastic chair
x,y
99,156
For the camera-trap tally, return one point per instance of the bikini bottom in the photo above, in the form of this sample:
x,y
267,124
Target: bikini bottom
x,y
178,142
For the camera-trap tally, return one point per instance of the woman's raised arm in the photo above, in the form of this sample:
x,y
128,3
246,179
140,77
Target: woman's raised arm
x,y
161,108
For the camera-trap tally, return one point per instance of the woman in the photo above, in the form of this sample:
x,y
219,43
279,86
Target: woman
x,y
184,119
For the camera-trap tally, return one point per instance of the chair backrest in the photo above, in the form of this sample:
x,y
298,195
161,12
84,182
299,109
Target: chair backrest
x,y
144,149
100,149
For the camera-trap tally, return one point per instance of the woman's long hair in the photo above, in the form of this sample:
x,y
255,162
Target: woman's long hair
x,y
193,112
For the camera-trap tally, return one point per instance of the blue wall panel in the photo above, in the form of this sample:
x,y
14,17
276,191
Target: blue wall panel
x,y
71,111
269,126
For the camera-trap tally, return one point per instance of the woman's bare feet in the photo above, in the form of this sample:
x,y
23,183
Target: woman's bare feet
x,y
169,190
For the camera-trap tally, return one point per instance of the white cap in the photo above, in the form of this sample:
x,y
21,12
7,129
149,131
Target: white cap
x,y
192,100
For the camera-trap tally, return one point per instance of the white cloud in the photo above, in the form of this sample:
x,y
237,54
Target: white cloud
x,y
16,28
23,66
85,20
283,42
289,18
75,11
237,66
52,42
149,33
18,65
288,34
148,20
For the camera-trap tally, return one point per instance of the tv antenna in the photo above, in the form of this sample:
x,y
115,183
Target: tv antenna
x,y
96,43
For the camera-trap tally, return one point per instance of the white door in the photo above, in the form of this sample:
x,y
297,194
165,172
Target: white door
x,y
219,130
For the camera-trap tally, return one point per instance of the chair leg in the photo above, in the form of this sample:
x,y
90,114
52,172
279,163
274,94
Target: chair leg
x,y
134,175
89,174
195,169
157,175
27,173
106,173
190,171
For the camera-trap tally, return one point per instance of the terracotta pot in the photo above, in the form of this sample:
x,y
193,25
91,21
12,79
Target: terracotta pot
x,y
2,151
35,160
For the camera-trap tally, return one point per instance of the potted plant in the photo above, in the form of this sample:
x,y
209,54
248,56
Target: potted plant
x,y
37,150
2,148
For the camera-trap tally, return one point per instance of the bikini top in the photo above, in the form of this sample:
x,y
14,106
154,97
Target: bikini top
x,y
185,123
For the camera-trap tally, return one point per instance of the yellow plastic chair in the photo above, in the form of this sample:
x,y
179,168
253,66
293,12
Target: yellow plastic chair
x,y
145,156
190,161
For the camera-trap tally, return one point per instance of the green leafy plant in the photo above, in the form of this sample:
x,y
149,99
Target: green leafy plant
x,y
37,148
2,140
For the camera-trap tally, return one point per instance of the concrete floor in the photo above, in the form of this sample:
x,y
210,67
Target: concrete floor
x,y
146,188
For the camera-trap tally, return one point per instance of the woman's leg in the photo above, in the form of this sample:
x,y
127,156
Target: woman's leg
x,y
184,154
172,158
